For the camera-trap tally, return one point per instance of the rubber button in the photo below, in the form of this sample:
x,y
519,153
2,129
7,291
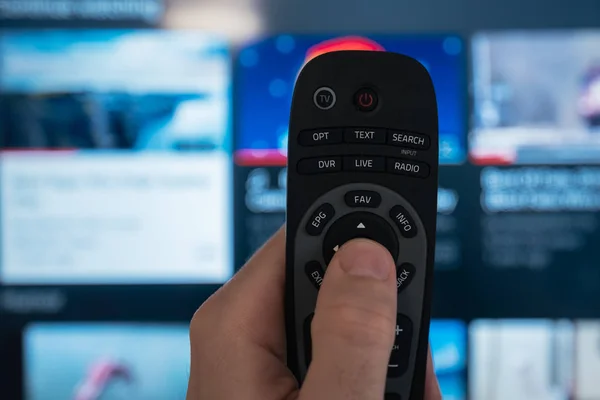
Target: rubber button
x,y
392,396
409,168
364,135
362,198
319,219
359,225
404,276
366,99
316,137
409,139
404,221
324,98
319,165
400,355
315,273
364,163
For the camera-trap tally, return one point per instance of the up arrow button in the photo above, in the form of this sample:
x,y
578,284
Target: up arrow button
x,y
361,226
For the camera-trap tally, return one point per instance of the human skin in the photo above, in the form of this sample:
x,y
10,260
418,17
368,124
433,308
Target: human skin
x,y
238,335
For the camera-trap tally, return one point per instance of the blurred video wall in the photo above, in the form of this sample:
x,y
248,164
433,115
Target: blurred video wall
x,y
143,160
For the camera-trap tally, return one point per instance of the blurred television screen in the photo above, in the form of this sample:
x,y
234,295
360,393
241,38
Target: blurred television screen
x,y
267,71
536,97
587,360
448,339
73,361
103,89
116,161
521,359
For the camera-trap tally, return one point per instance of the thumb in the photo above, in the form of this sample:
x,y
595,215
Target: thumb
x,y
353,326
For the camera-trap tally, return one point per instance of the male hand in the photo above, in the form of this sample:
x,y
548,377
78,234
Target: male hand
x,y
238,335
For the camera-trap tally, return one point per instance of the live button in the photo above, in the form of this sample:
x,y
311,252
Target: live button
x,y
364,163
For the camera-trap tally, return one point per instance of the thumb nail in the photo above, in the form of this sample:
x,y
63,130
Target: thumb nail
x,y
367,259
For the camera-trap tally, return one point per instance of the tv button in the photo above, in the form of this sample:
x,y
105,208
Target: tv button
x,y
324,98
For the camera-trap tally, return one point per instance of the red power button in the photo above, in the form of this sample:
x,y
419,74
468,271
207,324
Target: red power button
x,y
365,99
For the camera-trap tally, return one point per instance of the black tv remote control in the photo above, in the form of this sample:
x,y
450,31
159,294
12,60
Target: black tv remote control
x,y
363,163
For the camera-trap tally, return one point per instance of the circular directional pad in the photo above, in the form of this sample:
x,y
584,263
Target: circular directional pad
x,y
359,225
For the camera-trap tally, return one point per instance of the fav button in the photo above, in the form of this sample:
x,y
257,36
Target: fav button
x,y
319,165
364,163
409,139
314,137
362,198
404,275
404,222
409,168
364,135
324,98
315,273
319,219
400,355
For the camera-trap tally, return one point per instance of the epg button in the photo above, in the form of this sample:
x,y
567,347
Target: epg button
x,y
409,139
319,219
409,168
315,137
404,222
